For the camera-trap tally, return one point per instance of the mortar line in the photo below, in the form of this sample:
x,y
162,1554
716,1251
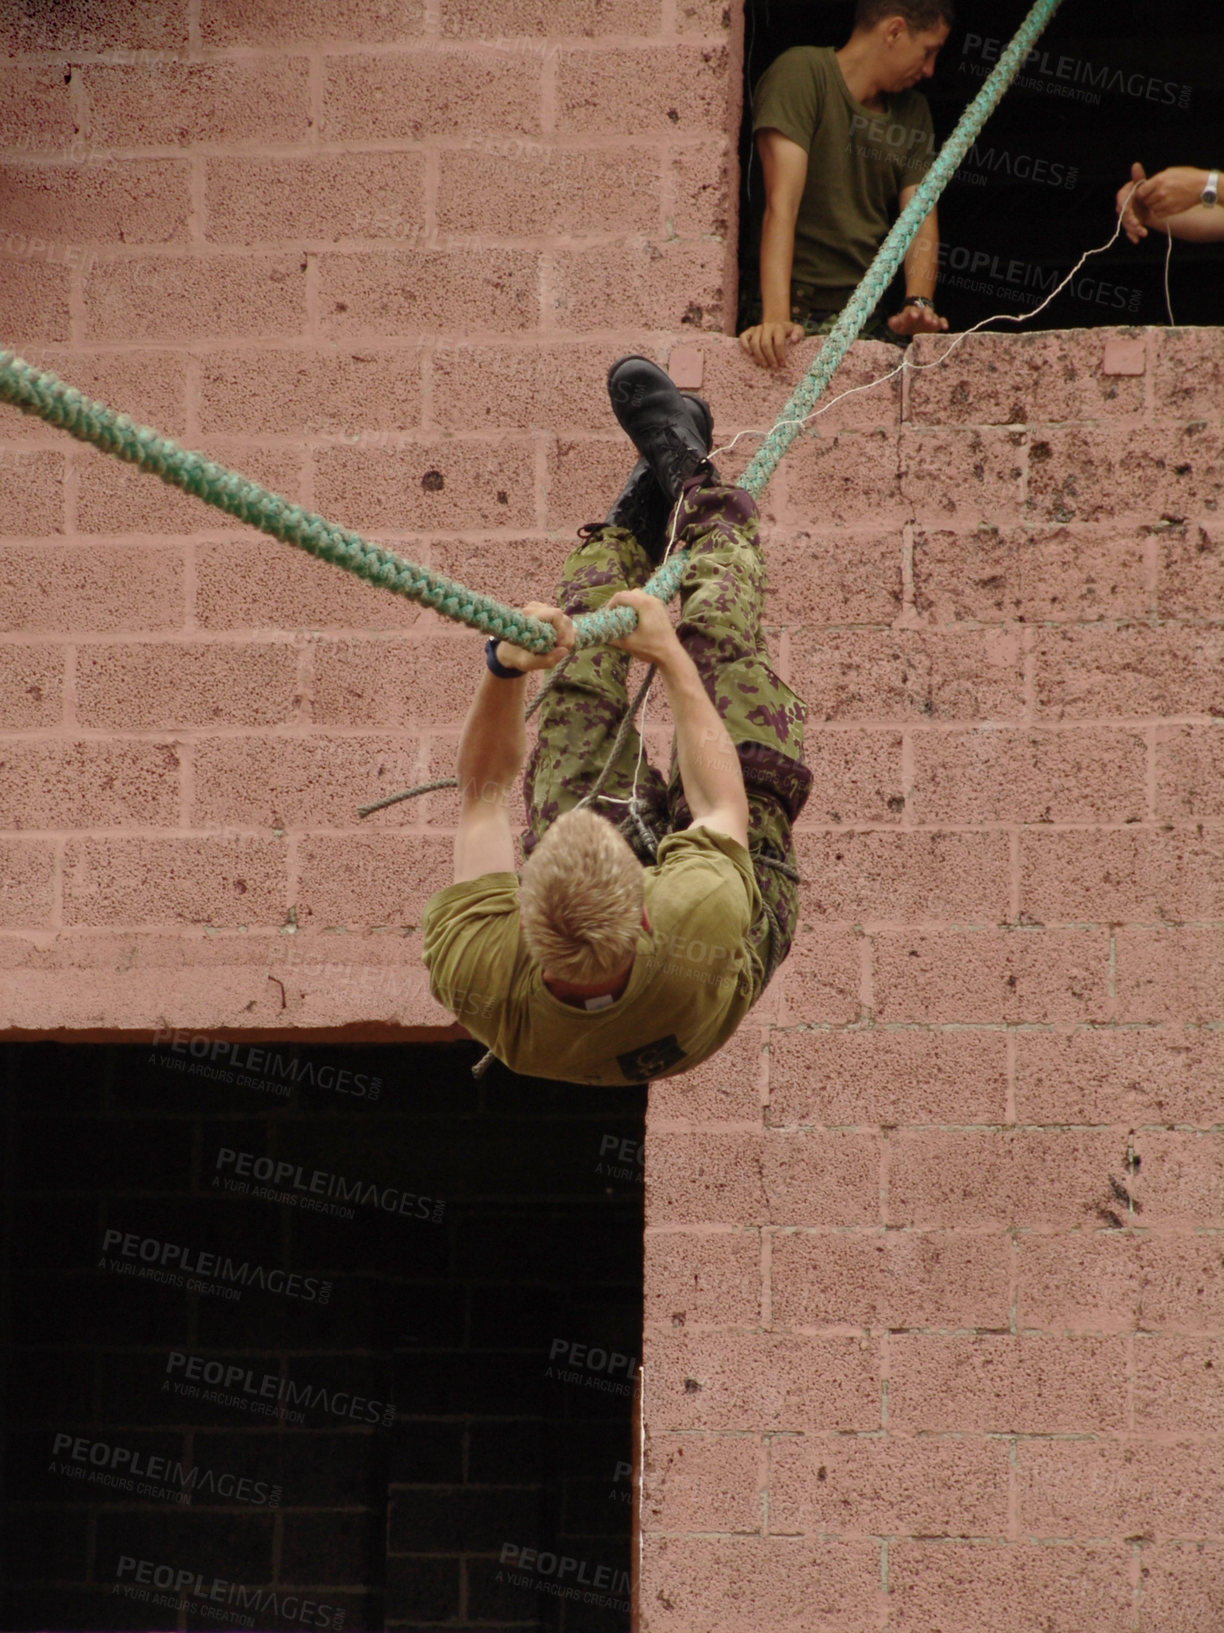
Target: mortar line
x,y
885,1179
866,979
185,752
59,862
1152,551
1130,1382
193,393
548,89
884,1364
72,491
427,356
908,757
197,204
885,1584
314,93
1135,1565
1028,639
68,716
1151,791
310,296
909,612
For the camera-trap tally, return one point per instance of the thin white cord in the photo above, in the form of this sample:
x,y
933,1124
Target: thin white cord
x,y
998,317
1168,259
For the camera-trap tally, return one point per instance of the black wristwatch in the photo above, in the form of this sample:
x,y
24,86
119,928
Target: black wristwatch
x,y
501,670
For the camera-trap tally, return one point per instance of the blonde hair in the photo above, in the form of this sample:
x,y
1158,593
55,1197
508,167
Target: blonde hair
x,y
580,900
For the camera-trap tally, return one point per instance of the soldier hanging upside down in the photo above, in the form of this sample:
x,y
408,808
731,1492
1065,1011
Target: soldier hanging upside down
x,y
651,912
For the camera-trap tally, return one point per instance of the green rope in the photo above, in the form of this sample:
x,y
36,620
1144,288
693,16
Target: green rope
x,y
892,251
34,391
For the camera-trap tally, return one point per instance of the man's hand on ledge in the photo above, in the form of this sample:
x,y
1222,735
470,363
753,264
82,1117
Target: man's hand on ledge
x,y
767,343
917,320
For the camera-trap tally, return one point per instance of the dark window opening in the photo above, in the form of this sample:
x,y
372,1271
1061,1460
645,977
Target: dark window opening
x,y
1111,81
305,1337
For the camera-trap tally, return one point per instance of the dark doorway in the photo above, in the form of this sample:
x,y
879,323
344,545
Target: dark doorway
x,y
1112,81
316,1338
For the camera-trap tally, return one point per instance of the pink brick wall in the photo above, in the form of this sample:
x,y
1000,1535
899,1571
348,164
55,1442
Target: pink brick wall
x,y
378,257
935,1336
933,1304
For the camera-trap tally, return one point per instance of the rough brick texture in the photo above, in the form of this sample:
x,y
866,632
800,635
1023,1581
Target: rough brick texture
x,y
956,1186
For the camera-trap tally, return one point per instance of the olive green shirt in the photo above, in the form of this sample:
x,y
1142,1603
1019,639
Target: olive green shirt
x,y
858,162
692,983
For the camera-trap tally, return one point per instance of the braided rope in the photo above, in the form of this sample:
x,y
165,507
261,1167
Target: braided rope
x,y
38,391
892,251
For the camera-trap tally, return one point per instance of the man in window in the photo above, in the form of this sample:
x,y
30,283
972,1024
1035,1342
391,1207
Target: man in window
x,y
844,140
651,917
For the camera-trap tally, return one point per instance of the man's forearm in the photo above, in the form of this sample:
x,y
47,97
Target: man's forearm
x,y
777,261
1203,224
922,259
493,742
709,766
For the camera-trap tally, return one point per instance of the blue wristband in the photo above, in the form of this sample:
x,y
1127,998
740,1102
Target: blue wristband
x,y
499,669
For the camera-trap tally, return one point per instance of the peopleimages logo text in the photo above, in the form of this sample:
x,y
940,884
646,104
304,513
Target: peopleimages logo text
x,y
217,1590
1042,69
180,1266
247,1060
233,1377
127,1469
981,272
290,1177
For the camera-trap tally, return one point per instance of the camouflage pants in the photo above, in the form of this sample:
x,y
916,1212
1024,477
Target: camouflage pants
x,y
721,601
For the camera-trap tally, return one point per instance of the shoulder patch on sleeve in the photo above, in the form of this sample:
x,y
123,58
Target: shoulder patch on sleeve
x,y
640,1065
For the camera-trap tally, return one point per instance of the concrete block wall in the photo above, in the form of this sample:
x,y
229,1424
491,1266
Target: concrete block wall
x,y
933,1323
934,1250
379,259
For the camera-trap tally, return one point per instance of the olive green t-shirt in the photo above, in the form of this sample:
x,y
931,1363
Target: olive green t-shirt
x,y
858,162
692,982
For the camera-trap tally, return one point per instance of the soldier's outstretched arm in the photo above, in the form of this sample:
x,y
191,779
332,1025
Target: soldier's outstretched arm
x,y
492,747
709,766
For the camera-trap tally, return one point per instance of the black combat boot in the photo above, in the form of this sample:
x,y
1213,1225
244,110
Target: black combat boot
x,y
662,424
642,507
